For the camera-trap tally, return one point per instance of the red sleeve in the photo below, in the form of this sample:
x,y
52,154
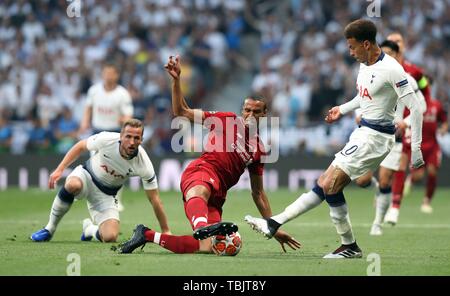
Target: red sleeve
x,y
413,70
417,73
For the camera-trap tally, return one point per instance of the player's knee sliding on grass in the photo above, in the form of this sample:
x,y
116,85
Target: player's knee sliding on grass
x,y
117,157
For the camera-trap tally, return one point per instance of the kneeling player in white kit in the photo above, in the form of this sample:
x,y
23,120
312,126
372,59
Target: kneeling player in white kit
x,y
117,157
381,83
391,163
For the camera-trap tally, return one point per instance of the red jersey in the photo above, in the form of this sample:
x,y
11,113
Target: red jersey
x,y
422,82
417,74
434,116
230,148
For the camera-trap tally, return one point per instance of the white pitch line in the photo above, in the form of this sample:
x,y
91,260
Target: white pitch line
x,y
406,225
300,224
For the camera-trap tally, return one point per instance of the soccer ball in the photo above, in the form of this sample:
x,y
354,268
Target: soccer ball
x,y
228,245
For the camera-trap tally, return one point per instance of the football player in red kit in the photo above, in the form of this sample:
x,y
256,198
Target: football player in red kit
x,y
434,122
398,182
233,145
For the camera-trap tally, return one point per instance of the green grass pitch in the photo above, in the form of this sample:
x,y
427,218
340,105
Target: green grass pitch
x,y
418,245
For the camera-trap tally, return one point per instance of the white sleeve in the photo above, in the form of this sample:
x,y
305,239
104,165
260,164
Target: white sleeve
x,y
421,104
411,102
148,175
351,105
97,141
399,112
400,83
126,106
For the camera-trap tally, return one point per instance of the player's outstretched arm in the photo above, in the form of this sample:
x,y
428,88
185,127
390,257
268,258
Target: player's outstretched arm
x,y
68,159
285,238
155,200
262,203
179,105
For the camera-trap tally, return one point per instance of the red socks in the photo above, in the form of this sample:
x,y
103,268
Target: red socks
x,y
431,186
397,188
177,244
196,210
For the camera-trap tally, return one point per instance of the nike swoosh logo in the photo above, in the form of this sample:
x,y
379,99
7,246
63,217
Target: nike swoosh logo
x,y
106,156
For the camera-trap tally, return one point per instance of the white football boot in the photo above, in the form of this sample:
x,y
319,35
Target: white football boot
x,y
376,230
392,216
345,252
259,225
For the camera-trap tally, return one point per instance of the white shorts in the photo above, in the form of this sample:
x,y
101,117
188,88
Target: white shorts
x,y
101,206
364,152
392,160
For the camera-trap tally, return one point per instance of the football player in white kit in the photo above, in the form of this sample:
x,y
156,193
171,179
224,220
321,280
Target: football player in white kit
x,y
108,106
117,156
381,83
391,163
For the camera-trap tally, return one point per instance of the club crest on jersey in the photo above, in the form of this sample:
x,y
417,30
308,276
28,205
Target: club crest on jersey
x,y
363,92
401,83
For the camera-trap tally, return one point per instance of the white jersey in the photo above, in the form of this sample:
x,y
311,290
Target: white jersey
x,y
109,168
400,105
108,106
380,86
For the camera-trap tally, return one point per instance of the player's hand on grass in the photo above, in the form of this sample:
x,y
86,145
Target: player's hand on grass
x,y
417,159
285,238
333,114
173,67
54,177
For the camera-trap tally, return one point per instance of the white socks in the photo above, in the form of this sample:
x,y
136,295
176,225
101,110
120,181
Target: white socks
x,y
341,220
301,205
382,202
91,231
59,209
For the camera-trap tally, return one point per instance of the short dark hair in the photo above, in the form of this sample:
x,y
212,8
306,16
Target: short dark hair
x,y
133,122
361,30
391,44
111,64
257,97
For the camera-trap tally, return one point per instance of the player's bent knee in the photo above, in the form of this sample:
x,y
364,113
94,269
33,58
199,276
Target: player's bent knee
x,y
364,181
432,170
74,185
384,183
198,191
109,237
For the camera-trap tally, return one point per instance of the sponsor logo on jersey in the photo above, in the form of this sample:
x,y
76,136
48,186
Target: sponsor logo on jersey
x,y
363,92
402,83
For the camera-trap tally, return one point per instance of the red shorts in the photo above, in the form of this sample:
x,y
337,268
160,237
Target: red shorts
x,y
197,173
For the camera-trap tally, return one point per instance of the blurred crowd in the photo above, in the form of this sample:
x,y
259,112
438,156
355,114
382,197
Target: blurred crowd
x,y
300,63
